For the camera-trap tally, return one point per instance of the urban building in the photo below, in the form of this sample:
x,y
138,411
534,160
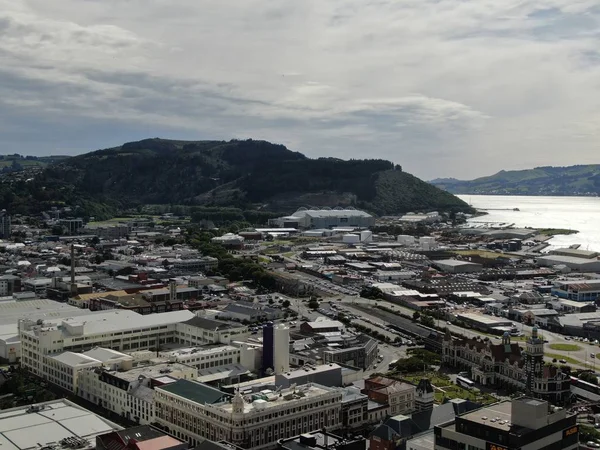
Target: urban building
x,y
129,391
325,218
38,309
399,397
250,312
5,225
192,411
58,424
326,375
64,370
276,348
322,440
572,262
504,365
71,226
202,331
511,425
9,284
348,350
209,356
579,291
117,330
142,437
355,408
457,266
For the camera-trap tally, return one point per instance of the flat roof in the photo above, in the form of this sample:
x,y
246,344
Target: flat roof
x,y
454,263
117,320
488,320
150,371
56,420
200,351
194,391
286,396
496,416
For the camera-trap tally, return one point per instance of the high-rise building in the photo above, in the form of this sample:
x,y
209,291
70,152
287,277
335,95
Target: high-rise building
x,y
276,348
5,226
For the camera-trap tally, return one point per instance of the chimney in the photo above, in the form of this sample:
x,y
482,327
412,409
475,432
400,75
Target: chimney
x,y
73,284
172,290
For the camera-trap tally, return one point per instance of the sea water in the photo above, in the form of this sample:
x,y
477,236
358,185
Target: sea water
x,y
575,213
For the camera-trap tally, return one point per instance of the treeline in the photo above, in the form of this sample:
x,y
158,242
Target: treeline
x,y
225,215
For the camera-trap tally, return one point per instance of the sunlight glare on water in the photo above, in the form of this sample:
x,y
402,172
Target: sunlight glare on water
x,y
575,213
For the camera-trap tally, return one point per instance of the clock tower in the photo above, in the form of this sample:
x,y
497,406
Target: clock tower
x,y
534,360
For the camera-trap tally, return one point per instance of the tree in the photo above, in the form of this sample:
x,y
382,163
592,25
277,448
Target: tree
x,y
416,316
313,303
286,304
589,377
427,321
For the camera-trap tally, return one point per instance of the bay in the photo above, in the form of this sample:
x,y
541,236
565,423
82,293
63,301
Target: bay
x,y
575,213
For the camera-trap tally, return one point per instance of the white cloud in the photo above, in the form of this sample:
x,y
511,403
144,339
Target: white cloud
x,y
442,87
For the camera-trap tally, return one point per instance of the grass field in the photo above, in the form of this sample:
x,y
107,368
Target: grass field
x,y
568,359
565,347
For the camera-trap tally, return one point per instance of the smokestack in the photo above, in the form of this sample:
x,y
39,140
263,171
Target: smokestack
x,y
172,290
73,284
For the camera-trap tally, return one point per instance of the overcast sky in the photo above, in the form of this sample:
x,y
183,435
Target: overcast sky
x,y
458,88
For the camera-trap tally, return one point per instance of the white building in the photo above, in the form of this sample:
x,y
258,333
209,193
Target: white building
x,y
10,313
129,392
58,424
427,243
405,239
325,218
202,331
193,412
119,330
281,348
204,357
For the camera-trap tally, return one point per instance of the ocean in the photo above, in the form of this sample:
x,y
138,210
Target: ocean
x,y
575,213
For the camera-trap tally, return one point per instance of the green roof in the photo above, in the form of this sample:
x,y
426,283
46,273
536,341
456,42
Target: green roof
x,y
195,392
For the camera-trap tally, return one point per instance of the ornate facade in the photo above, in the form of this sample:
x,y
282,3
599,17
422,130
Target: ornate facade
x,y
506,365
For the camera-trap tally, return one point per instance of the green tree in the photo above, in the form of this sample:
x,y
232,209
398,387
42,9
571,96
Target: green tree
x,y
589,377
285,304
416,316
313,303
427,321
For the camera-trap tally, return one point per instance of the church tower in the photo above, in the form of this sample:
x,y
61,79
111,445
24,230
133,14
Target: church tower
x,y
534,360
424,395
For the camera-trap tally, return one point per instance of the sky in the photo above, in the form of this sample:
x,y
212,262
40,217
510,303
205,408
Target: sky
x,y
445,88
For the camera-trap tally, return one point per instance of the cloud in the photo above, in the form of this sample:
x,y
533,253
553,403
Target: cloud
x,y
443,88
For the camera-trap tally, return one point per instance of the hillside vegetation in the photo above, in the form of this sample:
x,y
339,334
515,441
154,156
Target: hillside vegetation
x,y
572,180
244,174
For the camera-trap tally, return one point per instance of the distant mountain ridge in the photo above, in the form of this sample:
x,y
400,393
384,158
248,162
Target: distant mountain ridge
x,y
247,174
581,180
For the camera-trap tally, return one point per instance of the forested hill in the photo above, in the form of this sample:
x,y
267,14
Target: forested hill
x,y
571,180
248,174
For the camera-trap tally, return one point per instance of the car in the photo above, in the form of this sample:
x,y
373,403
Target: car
x,y
562,361
592,355
592,444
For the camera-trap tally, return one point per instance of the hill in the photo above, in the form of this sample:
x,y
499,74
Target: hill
x,y
571,180
246,174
